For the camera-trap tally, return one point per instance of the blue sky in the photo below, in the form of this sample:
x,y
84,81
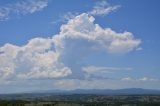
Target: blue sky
x,y
79,44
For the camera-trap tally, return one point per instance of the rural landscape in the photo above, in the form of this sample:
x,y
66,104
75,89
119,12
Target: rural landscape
x,y
79,100
123,97
79,52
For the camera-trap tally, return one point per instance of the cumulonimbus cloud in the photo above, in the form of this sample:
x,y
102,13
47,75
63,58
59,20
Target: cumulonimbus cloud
x,y
50,57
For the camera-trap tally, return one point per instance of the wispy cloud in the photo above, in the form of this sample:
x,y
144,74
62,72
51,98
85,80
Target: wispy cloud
x,y
143,79
4,13
94,69
65,17
103,8
96,72
22,8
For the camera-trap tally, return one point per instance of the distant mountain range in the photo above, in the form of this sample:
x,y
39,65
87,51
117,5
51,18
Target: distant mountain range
x,y
128,91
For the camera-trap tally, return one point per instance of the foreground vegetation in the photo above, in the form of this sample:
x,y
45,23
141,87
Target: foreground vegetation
x,y
77,100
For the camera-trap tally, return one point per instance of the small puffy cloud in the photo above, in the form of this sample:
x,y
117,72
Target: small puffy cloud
x,y
103,8
22,8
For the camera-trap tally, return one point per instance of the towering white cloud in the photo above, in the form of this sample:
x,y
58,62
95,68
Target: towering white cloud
x,y
60,55
83,30
81,37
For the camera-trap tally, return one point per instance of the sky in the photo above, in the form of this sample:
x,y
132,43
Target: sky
x,y
79,44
